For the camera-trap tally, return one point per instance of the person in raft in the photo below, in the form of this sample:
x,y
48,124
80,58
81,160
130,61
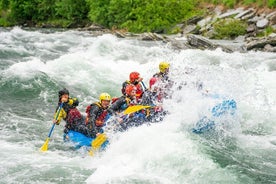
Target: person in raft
x,y
137,81
122,103
69,113
97,114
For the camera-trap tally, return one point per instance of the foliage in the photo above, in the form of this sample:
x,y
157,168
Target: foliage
x,y
229,28
139,15
71,9
267,31
23,10
232,3
98,11
4,4
133,15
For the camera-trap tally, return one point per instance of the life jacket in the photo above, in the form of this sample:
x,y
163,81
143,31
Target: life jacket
x,y
101,116
73,116
114,99
139,91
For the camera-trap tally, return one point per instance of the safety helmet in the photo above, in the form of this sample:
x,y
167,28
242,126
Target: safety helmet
x,y
63,92
163,66
152,81
104,96
134,76
130,88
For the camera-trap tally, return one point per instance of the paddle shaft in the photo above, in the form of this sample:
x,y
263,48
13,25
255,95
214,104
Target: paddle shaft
x,y
53,126
144,85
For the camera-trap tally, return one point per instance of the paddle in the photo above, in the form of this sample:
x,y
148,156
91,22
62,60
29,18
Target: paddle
x,y
44,147
144,85
135,108
96,143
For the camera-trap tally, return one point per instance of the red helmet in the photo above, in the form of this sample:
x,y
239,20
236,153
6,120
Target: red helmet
x,y
130,88
152,81
134,76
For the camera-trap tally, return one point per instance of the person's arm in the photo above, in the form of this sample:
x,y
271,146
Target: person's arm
x,y
91,121
62,115
117,105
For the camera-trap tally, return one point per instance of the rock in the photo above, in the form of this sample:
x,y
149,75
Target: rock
x,y
200,42
204,22
179,44
260,43
119,34
262,23
152,37
231,13
272,19
249,16
194,20
254,19
272,14
251,28
189,29
243,13
269,48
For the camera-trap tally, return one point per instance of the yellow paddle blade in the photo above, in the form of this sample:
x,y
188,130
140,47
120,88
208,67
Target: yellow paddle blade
x,y
96,144
98,141
135,108
44,147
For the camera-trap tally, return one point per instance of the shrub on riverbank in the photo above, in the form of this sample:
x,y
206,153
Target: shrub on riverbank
x,y
138,16
229,28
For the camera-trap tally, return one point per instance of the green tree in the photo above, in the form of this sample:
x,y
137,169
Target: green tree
x,y
99,11
23,10
140,15
74,10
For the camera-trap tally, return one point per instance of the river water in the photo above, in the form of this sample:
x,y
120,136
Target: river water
x,y
36,64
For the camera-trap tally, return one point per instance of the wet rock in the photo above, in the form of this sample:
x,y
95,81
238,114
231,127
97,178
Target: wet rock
x,y
152,37
269,48
260,43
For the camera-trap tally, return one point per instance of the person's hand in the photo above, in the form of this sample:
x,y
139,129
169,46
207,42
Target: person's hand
x,y
55,121
98,134
158,108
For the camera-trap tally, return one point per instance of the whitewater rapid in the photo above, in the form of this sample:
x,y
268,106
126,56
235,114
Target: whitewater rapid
x,y
35,64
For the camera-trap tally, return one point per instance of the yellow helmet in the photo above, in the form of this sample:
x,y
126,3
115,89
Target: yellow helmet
x,y
104,96
163,66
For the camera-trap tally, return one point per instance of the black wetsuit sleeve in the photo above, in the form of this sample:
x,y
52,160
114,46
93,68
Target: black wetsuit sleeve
x,y
92,120
116,107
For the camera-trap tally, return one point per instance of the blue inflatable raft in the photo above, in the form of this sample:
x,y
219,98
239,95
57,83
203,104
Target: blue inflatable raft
x,y
80,140
205,123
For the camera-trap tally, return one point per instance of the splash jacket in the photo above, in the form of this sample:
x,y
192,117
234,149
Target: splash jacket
x,y
67,106
121,104
96,117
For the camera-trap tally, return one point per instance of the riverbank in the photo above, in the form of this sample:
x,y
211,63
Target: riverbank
x,y
204,32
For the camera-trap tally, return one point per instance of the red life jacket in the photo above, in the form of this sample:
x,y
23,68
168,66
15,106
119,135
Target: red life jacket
x,y
114,99
73,116
139,89
100,117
